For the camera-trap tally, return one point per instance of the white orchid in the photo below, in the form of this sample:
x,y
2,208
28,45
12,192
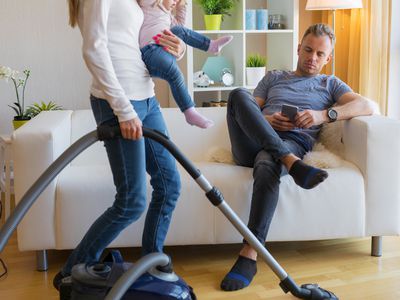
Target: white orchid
x,y
18,106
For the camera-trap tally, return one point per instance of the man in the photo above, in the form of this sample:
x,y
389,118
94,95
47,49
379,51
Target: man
x,y
267,140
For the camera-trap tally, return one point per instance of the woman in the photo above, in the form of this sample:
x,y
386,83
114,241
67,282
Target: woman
x,y
122,94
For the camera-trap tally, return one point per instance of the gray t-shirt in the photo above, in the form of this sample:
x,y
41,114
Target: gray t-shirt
x,y
316,92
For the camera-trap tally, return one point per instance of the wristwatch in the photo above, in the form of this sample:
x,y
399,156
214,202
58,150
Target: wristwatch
x,y
332,114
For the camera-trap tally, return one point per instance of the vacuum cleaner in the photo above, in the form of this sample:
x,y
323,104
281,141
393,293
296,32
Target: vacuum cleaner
x,y
127,279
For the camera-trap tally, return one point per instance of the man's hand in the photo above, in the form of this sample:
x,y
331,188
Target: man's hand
x,y
131,129
307,118
279,122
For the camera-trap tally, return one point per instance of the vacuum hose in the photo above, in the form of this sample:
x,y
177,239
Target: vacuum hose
x,y
306,291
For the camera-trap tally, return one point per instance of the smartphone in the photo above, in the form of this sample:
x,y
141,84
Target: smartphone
x,y
289,111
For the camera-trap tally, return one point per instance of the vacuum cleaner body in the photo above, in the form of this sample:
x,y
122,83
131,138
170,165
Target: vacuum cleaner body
x,y
94,281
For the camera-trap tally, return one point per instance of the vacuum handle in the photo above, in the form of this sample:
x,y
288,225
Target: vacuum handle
x,y
106,132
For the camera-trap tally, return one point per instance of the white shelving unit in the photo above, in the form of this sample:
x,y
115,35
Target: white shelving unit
x,y
279,46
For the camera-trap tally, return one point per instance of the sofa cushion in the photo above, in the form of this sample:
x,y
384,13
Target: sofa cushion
x,y
196,221
195,142
78,205
328,211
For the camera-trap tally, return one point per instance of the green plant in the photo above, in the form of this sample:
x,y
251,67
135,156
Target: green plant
x,y
256,61
36,108
19,86
217,7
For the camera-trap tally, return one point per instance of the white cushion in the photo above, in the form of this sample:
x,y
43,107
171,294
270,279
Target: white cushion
x,y
329,210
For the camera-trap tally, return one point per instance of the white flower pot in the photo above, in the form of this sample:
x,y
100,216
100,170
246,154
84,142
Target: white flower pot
x,y
254,75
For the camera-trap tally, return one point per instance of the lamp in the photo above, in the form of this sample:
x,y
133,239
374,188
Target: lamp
x,y
333,5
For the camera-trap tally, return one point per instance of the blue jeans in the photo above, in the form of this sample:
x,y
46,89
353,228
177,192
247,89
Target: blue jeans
x,y
129,161
257,145
191,38
163,65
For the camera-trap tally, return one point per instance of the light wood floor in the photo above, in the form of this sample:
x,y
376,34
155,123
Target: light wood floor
x,y
342,266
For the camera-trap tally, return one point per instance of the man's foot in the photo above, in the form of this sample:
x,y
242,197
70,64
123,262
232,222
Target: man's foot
x,y
240,275
196,119
217,45
307,176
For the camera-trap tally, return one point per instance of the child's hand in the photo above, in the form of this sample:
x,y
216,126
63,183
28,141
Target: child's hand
x,y
180,2
171,43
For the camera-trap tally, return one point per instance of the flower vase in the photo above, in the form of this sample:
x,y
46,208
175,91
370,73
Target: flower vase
x,y
213,22
18,123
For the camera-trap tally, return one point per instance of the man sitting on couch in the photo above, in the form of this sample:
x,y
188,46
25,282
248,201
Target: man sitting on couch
x,y
273,143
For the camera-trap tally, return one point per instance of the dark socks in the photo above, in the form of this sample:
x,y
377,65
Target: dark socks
x,y
240,275
307,176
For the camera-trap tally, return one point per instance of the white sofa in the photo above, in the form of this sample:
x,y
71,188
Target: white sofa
x,y
360,198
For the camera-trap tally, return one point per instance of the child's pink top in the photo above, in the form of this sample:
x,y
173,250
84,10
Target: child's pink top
x,y
157,18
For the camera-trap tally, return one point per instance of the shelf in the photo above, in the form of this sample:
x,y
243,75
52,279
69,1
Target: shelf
x,y
219,31
279,46
270,31
214,88
244,31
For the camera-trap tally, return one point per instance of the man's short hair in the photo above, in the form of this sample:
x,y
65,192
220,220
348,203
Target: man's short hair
x,y
320,29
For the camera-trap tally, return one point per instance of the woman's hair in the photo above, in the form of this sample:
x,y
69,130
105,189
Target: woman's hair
x,y
73,12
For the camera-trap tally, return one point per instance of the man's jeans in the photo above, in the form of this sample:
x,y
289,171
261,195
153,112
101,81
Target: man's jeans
x,y
129,161
163,65
256,144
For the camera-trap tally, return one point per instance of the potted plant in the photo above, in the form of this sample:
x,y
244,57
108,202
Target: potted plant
x,y
214,12
255,69
19,83
36,108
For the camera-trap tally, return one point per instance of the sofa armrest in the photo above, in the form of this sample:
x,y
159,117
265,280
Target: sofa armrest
x,y
35,146
372,143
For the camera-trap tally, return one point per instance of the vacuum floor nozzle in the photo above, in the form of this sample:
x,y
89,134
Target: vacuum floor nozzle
x,y
318,293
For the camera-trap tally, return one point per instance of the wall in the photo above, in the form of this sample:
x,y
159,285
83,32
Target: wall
x,y
307,18
35,35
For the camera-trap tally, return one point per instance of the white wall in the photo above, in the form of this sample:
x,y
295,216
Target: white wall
x,y
35,35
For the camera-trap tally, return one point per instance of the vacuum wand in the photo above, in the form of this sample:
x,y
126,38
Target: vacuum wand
x,y
306,291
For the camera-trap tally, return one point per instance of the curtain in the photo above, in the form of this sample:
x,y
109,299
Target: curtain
x,y
374,51
362,48
353,66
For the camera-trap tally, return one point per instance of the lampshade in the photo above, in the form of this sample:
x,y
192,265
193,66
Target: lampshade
x,y
332,4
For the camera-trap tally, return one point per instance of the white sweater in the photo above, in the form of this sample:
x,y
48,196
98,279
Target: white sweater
x,y
110,31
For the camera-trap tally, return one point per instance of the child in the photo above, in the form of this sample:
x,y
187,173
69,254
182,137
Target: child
x,y
157,17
